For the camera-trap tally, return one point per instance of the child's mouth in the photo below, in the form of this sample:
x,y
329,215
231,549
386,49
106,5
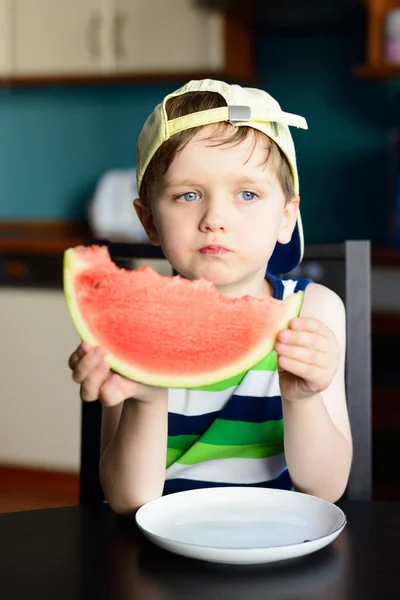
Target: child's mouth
x,y
214,250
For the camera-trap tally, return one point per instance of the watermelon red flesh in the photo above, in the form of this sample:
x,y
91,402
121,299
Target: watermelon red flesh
x,y
168,331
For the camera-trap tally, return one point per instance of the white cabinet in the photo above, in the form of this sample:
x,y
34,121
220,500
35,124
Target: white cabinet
x,y
90,37
55,37
6,61
173,35
40,408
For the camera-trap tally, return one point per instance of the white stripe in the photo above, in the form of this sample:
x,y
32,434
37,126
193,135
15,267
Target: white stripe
x,y
192,403
260,384
289,286
231,470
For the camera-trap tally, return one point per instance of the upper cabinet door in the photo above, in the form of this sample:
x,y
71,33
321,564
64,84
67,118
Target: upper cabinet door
x,y
104,39
156,36
57,36
6,41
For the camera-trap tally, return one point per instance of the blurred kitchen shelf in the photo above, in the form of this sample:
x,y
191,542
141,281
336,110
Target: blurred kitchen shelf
x,y
44,237
30,489
123,78
381,71
375,66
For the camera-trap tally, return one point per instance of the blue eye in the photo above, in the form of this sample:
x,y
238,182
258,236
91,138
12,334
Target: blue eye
x,y
189,197
247,195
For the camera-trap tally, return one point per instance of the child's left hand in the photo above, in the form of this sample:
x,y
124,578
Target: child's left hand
x,y
308,358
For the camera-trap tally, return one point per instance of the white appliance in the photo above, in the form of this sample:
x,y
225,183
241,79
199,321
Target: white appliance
x,y
111,213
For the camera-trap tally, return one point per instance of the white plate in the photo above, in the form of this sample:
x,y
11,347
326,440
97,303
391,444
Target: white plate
x,y
237,525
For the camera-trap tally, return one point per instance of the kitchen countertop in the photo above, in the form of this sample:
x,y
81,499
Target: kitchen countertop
x,y
42,237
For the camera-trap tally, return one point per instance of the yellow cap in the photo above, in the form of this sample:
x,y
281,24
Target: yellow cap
x,y
245,107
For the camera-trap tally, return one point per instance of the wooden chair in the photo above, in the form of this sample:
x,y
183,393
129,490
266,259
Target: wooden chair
x,y
345,268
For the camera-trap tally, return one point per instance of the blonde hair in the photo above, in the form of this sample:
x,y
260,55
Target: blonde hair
x,y
195,102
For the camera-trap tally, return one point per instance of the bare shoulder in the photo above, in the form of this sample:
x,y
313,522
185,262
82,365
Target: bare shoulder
x,y
324,304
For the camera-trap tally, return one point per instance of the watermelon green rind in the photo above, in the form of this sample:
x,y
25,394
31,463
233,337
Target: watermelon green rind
x,y
69,269
72,266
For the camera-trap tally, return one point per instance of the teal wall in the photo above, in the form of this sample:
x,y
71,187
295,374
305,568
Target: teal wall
x,y
343,157
55,143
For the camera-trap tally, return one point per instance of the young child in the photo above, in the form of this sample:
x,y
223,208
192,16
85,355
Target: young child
x,y
218,187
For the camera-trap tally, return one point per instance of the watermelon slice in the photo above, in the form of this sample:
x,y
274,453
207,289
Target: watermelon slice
x,y
168,331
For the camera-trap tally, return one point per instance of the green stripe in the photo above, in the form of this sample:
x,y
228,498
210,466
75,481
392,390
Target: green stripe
x,y
269,363
181,442
239,433
222,385
202,452
173,455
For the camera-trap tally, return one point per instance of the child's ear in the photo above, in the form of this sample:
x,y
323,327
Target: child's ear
x,y
146,218
289,219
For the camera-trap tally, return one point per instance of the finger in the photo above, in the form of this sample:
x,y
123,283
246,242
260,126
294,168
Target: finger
x,y
82,349
73,359
90,388
303,354
305,339
309,324
87,363
319,377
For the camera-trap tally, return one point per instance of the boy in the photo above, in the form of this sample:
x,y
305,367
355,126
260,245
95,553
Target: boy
x,y
218,187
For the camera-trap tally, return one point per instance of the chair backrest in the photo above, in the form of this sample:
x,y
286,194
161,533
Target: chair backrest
x,y
345,268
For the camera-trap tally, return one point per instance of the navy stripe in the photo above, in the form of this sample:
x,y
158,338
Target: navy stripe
x,y
277,285
171,486
239,408
252,409
182,425
278,288
302,284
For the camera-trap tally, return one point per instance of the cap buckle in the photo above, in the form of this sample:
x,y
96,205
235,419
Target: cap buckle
x,y
239,113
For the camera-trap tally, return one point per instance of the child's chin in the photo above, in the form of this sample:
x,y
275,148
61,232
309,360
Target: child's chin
x,y
219,274
219,280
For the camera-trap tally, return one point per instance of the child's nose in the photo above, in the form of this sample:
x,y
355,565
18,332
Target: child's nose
x,y
215,217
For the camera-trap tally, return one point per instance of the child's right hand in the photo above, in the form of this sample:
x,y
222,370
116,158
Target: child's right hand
x,y
99,382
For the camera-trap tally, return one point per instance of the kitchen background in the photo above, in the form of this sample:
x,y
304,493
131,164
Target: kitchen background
x,y
69,113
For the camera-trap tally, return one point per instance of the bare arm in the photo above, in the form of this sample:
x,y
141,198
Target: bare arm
x,y
133,430
317,435
133,458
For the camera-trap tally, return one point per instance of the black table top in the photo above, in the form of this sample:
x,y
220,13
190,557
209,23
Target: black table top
x,y
88,552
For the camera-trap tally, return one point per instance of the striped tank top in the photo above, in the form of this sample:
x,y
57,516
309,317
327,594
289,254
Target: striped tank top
x,y
230,433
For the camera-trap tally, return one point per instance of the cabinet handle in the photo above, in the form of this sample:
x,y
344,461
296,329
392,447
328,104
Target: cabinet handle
x,y
120,22
94,28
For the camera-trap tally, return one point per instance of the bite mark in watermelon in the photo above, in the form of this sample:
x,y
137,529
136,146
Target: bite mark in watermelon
x,y
168,331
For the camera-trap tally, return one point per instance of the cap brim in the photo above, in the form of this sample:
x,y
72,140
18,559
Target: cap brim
x,y
286,257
